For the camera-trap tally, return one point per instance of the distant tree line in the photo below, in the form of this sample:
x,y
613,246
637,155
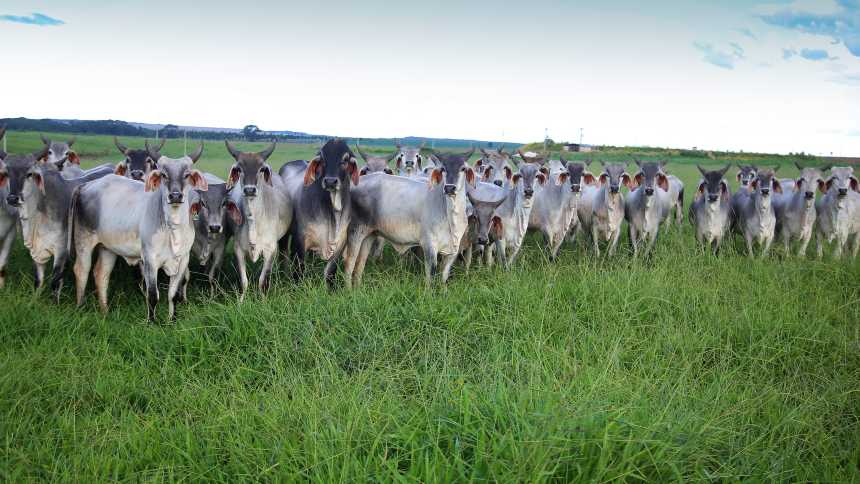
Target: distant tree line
x,y
108,126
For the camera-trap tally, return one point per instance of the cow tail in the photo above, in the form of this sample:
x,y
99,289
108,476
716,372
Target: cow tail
x,y
681,198
73,208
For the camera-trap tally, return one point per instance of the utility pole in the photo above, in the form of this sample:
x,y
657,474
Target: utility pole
x,y
580,137
545,137
185,146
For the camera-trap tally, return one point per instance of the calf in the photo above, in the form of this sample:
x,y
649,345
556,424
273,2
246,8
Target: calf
x,y
839,212
60,155
210,226
795,208
607,212
149,222
320,195
484,224
746,174
8,216
137,163
647,205
511,218
710,212
754,214
375,164
583,185
408,213
266,211
409,162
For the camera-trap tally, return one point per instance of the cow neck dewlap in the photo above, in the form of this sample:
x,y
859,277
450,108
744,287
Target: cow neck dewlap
x,y
176,219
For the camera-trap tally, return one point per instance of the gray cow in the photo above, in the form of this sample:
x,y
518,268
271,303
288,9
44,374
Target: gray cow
x,y
583,185
512,216
61,156
484,225
265,208
211,231
795,208
410,162
319,191
839,212
607,211
710,213
553,209
753,212
148,223
412,213
8,216
647,205
137,163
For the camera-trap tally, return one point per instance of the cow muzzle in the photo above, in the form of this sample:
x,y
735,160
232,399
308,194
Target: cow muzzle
x,y
765,192
483,241
330,183
450,190
613,189
842,192
215,229
809,195
529,192
649,192
174,197
575,188
13,200
713,198
745,182
136,174
497,183
250,191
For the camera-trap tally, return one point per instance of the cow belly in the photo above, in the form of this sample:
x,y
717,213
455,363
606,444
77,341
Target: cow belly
x,y
126,245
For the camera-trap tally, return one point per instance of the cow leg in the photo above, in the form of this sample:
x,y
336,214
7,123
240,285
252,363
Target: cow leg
x,y
613,242
631,232
749,242
330,270
819,244
488,255
265,274
804,243
361,259
150,281
297,257
57,273
467,258
502,256
101,276
38,275
182,295
430,256
354,241
447,262
652,239
214,267
173,290
595,241
5,250
243,271
83,262
378,246
766,249
515,251
556,246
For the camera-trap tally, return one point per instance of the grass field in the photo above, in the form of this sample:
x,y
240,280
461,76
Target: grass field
x,y
684,367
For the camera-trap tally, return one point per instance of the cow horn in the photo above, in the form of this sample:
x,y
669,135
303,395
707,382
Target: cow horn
x,y
42,152
232,149
724,170
161,145
121,147
469,154
393,155
154,154
266,153
361,152
2,131
196,155
701,170
71,141
798,166
484,152
46,141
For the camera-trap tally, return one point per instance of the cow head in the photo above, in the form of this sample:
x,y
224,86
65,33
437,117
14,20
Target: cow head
x,y
59,153
525,179
174,178
765,181
17,171
409,161
613,176
375,164
452,172
332,170
842,180
650,178
746,174
578,176
137,163
487,222
495,166
713,184
808,182
250,169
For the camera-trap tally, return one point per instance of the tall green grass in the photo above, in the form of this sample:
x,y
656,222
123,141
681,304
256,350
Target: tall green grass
x,y
681,367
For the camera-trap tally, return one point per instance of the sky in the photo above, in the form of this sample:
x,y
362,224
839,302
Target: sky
x,y
772,76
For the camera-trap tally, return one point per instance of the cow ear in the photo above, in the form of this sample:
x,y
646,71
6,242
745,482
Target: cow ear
x,y
827,185
198,181
399,161
724,188
663,182
233,178
541,178
627,181
738,176
637,180
194,209
589,178
470,176
544,170
3,179
362,171
562,178
352,168
854,184
508,173
311,172
516,179
234,212
266,170
479,163
777,186
497,227
701,189
74,158
797,185
602,179
120,169
822,187
435,177
754,184
153,181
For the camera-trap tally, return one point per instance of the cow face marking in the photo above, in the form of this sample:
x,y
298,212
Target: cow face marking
x,y
809,180
764,182
484,212
746,174
576,172
713,185
456,173
376,164
614,175
496,167
17,170
249,169
57,153
651,177
842,180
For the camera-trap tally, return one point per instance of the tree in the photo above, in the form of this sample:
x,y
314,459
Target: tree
x,y
251,132
170,131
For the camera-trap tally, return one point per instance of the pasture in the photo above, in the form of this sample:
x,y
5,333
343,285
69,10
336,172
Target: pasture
x,y
679,367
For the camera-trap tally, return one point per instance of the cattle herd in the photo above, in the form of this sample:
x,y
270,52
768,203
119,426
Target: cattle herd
x,y
159,213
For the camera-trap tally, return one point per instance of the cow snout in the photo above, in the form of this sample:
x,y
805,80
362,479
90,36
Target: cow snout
x,y
529,192
13,200
250,191
450,189
330,183
745,182
215,228
713,198
174,197
842,192
136,174
497,183
482,241
765,191
574,188
809,195
613,188
649,191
